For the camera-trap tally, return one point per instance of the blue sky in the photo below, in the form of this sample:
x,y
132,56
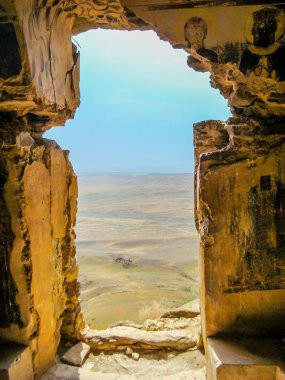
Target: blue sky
x,y
139,100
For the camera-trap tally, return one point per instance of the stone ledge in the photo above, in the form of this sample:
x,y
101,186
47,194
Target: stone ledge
x,y
16,363
254,359
121,337
189,310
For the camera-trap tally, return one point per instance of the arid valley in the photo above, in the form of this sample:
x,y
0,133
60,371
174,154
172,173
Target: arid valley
x,y
136,245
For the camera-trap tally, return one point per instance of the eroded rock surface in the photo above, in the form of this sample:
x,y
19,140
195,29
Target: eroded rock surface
x,y
188,310
119,338
128,352
246,178
168,366
16,362
38,195
161,334
155,334
77,354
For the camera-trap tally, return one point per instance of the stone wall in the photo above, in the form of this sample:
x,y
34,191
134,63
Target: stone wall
x,y
242,249
39,289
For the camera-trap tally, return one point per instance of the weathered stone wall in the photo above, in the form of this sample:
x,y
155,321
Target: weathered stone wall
x,y
242,249
38,198
39,73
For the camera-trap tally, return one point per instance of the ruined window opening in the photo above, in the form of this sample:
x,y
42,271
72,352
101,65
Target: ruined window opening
x,y
121,259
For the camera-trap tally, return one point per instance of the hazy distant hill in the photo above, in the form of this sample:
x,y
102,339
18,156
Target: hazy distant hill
x,y
137,245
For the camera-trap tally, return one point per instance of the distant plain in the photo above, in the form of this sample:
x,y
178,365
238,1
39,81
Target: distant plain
x,y
137,245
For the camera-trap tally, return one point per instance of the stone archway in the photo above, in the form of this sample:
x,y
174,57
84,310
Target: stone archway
x,y
239,169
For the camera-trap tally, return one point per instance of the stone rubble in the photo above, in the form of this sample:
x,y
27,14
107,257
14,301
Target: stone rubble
x,y
76,355
129,351
135,356
167,366
24,139
137,351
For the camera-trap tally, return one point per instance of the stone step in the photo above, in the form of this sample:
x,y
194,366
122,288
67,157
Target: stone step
x,y
65,372
121,337
15,363
251,358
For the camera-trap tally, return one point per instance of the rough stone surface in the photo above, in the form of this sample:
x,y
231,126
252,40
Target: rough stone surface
x,y
126,323
259,359
246,178
168,366
161,334
16,363
135,356
189,310
129,351
77,354
119,338
41,81
170,324
39,195
24,139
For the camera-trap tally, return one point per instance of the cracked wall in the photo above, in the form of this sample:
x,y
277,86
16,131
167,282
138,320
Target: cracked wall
x,y
39,197
242,249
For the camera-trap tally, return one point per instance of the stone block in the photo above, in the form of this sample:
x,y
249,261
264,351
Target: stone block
x,y
258,359
16,363
189,310
77,354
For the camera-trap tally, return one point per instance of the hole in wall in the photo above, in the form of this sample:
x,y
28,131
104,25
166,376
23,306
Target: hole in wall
x,y
131,147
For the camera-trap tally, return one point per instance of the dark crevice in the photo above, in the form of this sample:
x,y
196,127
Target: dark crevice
x,y
9,310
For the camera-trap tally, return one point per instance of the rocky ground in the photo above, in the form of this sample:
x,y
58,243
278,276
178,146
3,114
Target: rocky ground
x,y
117,366
166,348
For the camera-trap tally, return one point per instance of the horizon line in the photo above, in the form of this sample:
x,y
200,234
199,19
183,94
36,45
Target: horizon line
x,y
130,173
